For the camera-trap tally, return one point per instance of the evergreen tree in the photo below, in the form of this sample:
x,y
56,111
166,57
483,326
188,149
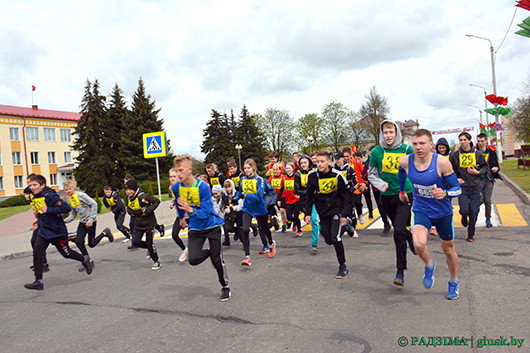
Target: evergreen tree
x,y
117,113
249,136
217,143
94,142
142,119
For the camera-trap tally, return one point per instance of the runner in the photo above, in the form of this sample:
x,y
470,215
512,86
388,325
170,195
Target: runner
x,y
377,195
383,174
327,189
489,178
278,183
49,209
342,166
30,197
232,212
113,202
434,184
173,179
293,207
213,176
194,197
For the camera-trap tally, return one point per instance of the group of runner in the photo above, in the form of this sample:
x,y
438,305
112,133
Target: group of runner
x,y
403,178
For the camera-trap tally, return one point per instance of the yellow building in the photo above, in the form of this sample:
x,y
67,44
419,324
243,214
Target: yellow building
x,y
34,140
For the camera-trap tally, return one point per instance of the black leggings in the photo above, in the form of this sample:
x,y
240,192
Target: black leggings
x,y
82,231
175,234
264,231
331,231
147,244
293,213
197,254
34,237
119,218
39,252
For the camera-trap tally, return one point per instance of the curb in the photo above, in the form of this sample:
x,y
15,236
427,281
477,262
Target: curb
x,y
516,188
17,255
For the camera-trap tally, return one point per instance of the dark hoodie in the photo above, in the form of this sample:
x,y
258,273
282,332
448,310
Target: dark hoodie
x,y
300,179
443,141
461,160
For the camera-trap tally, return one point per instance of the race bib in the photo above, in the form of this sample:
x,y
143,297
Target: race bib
x,y
32,202
110,201
467,160
289,185
74,201
191,195
345,173
39,202
250,186
328,185
447,157
214,181
391,162
303,180
134,205
236,181
424,191
276,183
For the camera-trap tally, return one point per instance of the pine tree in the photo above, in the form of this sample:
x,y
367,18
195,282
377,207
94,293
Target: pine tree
x,y
248,135
94,142
217,143
142,119
117,113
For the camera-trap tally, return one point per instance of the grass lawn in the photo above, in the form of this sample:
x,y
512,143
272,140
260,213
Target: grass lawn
x,y
10,211
519,176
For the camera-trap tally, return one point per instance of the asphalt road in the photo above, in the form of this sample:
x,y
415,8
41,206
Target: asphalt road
x,y
290,303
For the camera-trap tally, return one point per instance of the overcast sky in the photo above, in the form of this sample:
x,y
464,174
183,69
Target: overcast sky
x,y
195,56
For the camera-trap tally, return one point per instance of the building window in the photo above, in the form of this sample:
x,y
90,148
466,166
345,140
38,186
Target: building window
x,y
66,135
19,182
51,158
67,157
53,179
32,133
49,135
35,158
1,183
16,158
13,132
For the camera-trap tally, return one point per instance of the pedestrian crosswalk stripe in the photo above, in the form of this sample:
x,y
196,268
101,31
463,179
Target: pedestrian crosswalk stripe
x,y
511,217
368,221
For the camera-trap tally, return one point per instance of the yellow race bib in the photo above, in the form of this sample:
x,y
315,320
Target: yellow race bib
x,y
467,160
214,181
447,157
486,156
250,186
236,181
289,185
74,201
134,205
32,202
328,185
39,202
276,183
391,162
191,195
303,180
110,201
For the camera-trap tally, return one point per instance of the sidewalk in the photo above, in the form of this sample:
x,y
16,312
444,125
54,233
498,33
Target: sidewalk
x,y
15,231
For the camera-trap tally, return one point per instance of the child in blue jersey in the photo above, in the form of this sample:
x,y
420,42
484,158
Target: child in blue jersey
x,y
252,188
434,183
193,196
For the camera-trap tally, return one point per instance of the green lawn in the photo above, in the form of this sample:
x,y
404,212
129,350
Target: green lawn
x,y
10,211
519,176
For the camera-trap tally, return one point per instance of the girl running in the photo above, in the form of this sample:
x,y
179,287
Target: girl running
x,y
277,182
293,207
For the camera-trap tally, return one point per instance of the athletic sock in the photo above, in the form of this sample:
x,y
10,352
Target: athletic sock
x,y
453,280
431,265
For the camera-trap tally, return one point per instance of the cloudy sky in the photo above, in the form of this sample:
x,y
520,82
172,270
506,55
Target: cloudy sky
x,y
195,56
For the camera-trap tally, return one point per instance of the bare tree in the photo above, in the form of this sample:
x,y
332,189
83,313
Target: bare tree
x,y
373,112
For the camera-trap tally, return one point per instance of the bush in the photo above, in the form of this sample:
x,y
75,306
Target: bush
x,y
18,200
98,201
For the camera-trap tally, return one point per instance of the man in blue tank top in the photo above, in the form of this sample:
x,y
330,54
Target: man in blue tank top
x,y
434,183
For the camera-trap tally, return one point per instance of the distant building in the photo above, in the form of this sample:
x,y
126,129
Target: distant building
x,y
407,129
34,140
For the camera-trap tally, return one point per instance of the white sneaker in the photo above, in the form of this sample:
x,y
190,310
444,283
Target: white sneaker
x,y
148,256
156,266
125,240
183,255
355,235
361,219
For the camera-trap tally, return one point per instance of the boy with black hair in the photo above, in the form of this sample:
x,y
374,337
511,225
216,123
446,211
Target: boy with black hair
x,y
29,197
142,207
232,209
488,179
274,158
113,202
213,177
235,174
87,209
327,189
49,209
351,178
300,189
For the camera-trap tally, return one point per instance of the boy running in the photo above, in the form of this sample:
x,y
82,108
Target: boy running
x,y
113,202
434,184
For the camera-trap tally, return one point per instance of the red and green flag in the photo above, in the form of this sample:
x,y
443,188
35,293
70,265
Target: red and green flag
x,y
33,88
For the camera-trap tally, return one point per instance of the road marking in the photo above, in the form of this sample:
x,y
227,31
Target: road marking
x,y
510,215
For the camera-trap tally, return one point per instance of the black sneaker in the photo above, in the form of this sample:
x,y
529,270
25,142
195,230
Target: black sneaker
x,y
87,264
370,215
387,228
226,243
162,230
470,238
132,247
464,221
343,272
108,234
38,285
46,268
225,294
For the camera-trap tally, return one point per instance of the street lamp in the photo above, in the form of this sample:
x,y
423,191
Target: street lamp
x,y
238,148
485,102
310,139
479,110
498,135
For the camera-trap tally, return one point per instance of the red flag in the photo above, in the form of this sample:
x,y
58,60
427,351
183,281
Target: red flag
x,y
482,126
524,4
33,88
493,99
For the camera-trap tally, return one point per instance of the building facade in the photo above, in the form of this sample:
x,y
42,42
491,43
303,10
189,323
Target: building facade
x,y
34,140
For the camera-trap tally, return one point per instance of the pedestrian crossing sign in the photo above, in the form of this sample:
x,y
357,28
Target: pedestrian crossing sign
x,y
154,144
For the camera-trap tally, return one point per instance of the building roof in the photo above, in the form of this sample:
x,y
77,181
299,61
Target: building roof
x,y
35,112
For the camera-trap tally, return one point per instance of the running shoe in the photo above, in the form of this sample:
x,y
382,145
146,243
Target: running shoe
x,y
148,256
294,227
272,249
387,228
411,247
246,262
464,222
225,294
470,238
355,235
299,233
399,280
132,247
315,249
452,293
361,219
156,266
183,255
162,230
126,240
38,285
343,272
276,222
434,231
284,228
226,243
428,277
264,250
88,264
108,234
488,224
370,215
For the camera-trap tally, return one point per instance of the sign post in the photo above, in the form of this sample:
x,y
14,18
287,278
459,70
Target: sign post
x,y
154,147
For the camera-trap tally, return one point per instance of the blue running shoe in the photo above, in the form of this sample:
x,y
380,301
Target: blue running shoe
x,y
488,224
452,293
265,250
399,280
428,277
411,247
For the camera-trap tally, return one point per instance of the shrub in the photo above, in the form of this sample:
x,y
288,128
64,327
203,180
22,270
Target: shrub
x,y
98,201
18,200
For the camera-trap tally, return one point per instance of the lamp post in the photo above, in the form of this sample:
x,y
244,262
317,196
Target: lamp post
x,y
479,110
310,139
494,81
485,102
238,148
